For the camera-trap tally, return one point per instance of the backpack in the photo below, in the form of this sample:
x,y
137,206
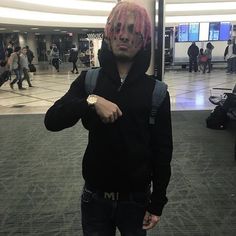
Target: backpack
x,y
32,68
218,119
158,94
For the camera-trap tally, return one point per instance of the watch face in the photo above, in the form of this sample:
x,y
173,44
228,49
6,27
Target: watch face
x,y
92,100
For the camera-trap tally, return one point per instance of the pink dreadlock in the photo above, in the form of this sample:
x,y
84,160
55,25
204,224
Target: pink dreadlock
x,y
119,14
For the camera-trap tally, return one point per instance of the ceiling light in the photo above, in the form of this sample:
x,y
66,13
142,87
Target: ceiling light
x,y
73,4
56,30
15,31
200,6
2,28
11,13
34,28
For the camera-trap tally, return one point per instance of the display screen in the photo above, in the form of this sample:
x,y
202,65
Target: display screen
x,y
225,29
193,32
183,33
214,31
204,32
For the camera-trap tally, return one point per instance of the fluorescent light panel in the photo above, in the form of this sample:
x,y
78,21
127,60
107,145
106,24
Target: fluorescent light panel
x,y
49,17
73,4
107,6
200,6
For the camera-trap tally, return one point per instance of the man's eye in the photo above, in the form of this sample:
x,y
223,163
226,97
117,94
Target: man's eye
x,y
117,28
131,28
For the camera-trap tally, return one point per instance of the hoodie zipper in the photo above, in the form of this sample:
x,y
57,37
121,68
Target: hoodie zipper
x,y
121,84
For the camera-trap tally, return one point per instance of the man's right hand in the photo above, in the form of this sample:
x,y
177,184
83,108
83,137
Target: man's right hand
x,y
106,110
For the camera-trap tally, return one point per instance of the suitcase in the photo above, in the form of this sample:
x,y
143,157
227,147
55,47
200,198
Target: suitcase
x,y
32,68
5,76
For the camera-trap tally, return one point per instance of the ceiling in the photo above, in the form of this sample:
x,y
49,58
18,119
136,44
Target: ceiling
x,y
13,20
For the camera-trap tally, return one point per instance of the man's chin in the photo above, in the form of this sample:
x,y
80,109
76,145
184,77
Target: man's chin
x,y
123,58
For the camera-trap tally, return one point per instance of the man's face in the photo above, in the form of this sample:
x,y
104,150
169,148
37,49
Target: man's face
x,y
24,51
126,45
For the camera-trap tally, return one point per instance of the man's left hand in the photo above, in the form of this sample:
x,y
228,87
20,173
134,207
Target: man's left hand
x,y
150,220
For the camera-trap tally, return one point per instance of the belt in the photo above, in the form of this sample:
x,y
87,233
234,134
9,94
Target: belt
x,y
119,196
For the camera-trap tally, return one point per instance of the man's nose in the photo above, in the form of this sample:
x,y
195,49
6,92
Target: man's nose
x,y
124,36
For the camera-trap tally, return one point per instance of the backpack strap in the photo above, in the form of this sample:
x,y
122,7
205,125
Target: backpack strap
x,y
158,96
91,79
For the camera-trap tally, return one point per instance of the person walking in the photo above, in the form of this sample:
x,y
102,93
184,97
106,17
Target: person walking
x,y
125,154
55,57
15,66
25,65
193,52
30,54
73,57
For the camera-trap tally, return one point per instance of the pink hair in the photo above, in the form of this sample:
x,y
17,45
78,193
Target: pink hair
x,y
119,14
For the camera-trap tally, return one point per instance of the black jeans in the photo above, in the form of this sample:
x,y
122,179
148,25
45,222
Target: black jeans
x,y
101,217
193,64
74,66
55,63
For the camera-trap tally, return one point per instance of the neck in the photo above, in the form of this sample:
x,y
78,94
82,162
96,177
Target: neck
x,y
123,68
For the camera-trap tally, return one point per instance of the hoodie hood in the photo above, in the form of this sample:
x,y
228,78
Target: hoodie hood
x,y
139,67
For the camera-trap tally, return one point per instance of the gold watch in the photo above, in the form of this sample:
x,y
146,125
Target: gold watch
x,y
91,100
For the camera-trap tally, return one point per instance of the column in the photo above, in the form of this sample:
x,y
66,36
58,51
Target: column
x,y
31,42
160,40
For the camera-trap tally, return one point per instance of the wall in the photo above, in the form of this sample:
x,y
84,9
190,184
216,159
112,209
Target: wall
x,y
180,50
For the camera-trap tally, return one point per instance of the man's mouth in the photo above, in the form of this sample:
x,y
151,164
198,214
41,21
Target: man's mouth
x,y
123,47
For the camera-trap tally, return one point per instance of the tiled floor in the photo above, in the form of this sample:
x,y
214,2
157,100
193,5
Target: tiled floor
x,y
188,91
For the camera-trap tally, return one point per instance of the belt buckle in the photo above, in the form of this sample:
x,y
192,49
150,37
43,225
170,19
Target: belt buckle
x,y
114,196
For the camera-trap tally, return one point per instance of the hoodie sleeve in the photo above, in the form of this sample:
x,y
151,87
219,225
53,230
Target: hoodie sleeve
x,y
162,147
67,111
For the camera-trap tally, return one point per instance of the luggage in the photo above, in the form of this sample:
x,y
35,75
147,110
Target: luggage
x,y
5,76
32,68
218,119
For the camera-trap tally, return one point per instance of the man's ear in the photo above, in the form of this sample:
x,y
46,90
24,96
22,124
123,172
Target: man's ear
x,y
108,44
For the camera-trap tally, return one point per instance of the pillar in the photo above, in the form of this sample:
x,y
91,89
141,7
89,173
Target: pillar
x,y
31,42
160,41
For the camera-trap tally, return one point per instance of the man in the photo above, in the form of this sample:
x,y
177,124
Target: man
x,y
30,54
25,66
193,52
73,57
54,54
15,66
9,49
125,154
231,58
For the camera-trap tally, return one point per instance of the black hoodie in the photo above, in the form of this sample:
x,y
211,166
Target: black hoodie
x,y
128,154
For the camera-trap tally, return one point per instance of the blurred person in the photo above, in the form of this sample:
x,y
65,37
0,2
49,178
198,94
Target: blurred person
x,y
208,53
202,60
15,66
193,52
9,49
73,57
231,57
54,54
25,65
125,153
30,55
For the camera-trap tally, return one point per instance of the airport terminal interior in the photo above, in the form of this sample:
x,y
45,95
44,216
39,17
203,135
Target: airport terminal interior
x,y
40,171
